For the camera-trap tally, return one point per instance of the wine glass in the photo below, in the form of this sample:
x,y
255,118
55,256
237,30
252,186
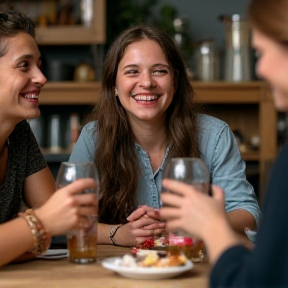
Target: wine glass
x,y
82,240
69,172
192,171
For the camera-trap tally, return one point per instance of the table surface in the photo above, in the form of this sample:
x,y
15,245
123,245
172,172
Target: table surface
x,y
60,273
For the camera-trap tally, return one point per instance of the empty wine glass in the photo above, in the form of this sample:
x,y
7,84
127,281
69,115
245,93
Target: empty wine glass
x,y
192,171
69,172
82,240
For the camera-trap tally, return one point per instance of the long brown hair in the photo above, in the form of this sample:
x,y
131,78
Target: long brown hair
x,y
116,157
270,17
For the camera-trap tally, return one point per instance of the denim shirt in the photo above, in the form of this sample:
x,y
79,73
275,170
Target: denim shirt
x,y
218,149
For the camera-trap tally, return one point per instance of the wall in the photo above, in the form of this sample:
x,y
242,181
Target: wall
x,y
203,16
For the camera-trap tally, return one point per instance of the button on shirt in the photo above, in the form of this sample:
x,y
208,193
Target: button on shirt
x,y
218,149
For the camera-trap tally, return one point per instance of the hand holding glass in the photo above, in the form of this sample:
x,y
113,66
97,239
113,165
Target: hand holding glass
x,y
82,241
192,171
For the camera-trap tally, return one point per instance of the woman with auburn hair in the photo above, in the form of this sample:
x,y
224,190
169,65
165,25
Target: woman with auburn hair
x,y
24,175
146,115
234,265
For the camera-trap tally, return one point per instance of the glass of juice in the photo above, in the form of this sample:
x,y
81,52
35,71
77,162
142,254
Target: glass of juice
x,y
82,240
192,171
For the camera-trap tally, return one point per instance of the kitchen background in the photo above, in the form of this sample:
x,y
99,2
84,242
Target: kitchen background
x,y
193,24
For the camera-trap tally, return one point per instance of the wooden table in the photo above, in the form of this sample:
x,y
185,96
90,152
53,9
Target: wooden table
x,y
60,273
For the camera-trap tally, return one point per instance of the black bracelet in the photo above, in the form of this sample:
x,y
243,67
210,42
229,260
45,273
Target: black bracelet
x,y
112,233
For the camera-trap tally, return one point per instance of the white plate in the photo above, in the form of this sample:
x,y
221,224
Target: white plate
x,y
54,254
149,273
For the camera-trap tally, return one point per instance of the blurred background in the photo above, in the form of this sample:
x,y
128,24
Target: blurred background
x,y
214,39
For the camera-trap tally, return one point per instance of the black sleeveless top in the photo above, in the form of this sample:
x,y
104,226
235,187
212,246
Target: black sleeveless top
x,y
24,159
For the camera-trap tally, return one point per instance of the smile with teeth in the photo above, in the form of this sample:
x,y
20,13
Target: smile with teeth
x,y
147,98
31,96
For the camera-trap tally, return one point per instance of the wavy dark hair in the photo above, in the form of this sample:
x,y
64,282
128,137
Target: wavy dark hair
x,y
12,22
115,155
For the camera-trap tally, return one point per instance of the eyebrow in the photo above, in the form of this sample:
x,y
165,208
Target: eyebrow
x,y
28,57
154,65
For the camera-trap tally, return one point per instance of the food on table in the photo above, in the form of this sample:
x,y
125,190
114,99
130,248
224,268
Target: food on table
x,y
152,258
159,243
193,248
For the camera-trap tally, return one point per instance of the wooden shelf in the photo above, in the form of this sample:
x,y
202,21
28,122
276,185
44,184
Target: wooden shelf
x,y
68,35
206,92
221,92
247,106
70,93
210,92
78,34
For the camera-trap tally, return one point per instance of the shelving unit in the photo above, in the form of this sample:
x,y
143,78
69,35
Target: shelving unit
x,y
246,106
68,93
77,34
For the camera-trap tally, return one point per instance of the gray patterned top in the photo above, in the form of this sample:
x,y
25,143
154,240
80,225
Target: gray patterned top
x,y
24,159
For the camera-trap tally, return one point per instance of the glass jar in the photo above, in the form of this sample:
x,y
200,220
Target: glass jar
x,y
207,62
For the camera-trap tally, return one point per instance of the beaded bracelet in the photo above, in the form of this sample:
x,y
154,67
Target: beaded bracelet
x,y
41,238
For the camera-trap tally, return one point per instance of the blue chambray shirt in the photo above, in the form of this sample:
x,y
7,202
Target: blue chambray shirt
x,y
219,150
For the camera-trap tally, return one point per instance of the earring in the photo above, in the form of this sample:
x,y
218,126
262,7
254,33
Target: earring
x,y
116,92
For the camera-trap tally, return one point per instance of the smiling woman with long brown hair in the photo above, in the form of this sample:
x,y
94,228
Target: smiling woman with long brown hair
x,y
146,115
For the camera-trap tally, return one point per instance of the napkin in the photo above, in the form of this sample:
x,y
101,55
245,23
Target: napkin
x,y
250,234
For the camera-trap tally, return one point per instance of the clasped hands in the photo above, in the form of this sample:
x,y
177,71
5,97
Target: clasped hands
x,y
143,223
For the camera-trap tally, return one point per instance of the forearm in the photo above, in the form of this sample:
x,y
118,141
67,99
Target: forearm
x,y
27,256
103,233
240,219
122,236
15,240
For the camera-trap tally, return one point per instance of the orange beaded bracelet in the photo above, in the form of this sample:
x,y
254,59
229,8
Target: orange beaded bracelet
x,y
41,238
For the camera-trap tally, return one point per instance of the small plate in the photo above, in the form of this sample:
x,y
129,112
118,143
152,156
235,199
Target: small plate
x,y
54,254
149,273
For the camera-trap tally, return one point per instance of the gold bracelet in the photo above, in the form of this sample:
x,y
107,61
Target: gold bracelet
x,y
112,233
41,238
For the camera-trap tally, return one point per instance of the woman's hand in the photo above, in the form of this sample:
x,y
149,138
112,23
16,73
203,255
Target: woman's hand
x,y
142,211
200,215
66,206
143,223
191,210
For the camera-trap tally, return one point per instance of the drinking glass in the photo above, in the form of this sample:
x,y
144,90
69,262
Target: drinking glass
x,y
192,171
82,240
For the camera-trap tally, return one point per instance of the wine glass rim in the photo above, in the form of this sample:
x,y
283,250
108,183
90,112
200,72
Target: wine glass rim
x,y
66,163
187,158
